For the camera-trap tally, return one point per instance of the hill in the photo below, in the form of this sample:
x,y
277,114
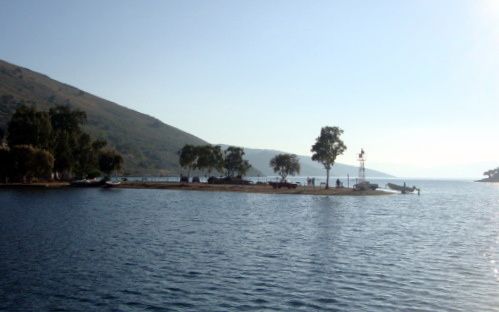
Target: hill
x,y
260,159
148,145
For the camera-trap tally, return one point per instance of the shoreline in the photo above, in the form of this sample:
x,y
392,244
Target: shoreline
x,y
204,187
252,188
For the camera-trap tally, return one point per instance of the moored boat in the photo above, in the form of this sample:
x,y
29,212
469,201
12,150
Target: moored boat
x,y
112,183
402,188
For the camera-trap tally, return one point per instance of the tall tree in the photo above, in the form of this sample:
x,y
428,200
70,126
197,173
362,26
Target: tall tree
x,y
234,162
64,118
66,124
23,156
188,157
6,164
30,127
42,163
209,158
84,155
285,164
110,161
327,147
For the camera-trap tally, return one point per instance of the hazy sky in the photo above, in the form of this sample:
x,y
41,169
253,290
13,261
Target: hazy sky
x,y
415,83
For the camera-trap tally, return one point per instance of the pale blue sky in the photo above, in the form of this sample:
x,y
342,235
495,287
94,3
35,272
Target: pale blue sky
x,y
415,83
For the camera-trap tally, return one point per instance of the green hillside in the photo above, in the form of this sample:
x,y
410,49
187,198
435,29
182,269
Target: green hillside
x,y
148,145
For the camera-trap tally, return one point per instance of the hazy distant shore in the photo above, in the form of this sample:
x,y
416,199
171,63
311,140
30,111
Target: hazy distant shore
x,y
263,189
491,180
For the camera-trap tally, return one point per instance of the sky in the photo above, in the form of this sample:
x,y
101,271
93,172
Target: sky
x,y
414,83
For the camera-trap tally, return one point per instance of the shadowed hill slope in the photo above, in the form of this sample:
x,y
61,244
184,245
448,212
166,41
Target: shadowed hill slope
x,y
148,145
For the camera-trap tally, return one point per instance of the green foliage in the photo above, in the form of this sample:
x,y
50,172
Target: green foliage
x,y
30,127
63,118
209,158
285,164
41,142
234,162
42,163
327,147
188,157
110,160
6,164
29,162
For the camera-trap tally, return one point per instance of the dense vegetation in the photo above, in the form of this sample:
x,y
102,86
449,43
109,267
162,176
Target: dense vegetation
x,y
209,158
148,146
46,145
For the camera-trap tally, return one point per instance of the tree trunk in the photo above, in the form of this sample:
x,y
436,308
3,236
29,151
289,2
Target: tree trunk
x,y
327,178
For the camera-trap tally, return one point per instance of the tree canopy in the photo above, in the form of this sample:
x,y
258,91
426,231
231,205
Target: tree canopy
x,y
110,160
327,147
40,143
285,164
234,163
211,157
30,127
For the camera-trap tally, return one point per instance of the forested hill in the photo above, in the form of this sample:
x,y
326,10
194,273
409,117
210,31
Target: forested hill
x,y
148,145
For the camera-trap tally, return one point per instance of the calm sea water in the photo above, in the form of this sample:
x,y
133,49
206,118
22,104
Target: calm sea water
x,y
162,250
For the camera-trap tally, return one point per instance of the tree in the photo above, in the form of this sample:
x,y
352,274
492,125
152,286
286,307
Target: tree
x,y
6,164
30,127
234,162
188,157
209,158
30,162
84,156
491,173
327,147
66,124
2,134
42,163
285,164
64,156
110,160
63,118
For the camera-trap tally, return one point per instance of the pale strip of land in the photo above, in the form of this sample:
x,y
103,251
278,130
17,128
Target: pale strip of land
x,y
252,188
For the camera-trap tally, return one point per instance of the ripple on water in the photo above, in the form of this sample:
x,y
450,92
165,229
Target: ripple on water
x,y
175,251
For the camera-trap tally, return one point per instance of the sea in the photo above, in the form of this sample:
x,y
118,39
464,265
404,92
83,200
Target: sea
x,y
170,250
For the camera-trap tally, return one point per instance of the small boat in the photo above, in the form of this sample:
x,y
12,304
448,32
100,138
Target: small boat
x,y
87,183
111,183
403,189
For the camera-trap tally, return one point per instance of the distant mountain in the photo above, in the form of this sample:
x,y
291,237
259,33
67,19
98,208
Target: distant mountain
x,y
148,145
260,158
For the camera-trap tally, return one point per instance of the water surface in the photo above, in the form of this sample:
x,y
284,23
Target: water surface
x,y
166,250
